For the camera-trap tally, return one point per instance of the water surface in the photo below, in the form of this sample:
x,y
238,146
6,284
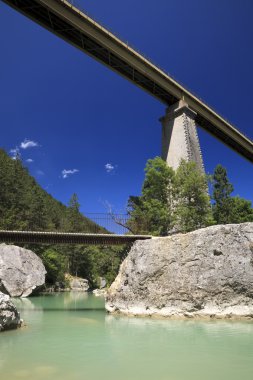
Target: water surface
x,y
70,337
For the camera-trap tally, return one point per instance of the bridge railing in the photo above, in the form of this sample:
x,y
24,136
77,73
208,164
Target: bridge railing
x,y
88,223
110,223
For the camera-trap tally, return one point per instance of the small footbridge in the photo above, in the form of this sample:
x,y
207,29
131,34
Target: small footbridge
x,y
47,237
99,229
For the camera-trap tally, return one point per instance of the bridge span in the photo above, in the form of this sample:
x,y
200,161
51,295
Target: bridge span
x,y
74,26
39,237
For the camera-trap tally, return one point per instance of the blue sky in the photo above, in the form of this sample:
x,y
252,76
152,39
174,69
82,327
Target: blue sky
x,y
82,117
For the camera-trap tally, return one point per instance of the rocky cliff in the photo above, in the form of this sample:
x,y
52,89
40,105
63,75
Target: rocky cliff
x,y
21,271
205,273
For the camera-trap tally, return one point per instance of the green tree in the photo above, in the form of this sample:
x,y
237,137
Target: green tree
x,y
74,221
228,209
55,264
240,210
36,212
192,208
152,211
170,200
222,190
100,261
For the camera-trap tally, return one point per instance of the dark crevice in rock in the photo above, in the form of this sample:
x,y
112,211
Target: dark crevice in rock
x,y
217,253
3,289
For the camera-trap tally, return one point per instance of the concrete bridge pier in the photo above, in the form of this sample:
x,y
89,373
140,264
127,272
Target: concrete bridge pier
x,y
179,136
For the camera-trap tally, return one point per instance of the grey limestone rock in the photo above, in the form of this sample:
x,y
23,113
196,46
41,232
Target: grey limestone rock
x,y
204,273
102,282
21,271
9,316
79,284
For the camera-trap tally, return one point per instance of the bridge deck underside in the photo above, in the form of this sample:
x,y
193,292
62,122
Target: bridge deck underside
x,y
85,34
34,237
65,30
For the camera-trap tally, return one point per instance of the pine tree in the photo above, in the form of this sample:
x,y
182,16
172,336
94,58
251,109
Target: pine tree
x,y
74,217
222,190
228,209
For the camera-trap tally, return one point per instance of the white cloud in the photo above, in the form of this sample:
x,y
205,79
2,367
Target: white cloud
x,y
29,160
14,153
40,172
110,167
65,173
28,144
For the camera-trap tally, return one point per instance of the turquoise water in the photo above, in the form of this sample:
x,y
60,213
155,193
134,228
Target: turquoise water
x,y
69,336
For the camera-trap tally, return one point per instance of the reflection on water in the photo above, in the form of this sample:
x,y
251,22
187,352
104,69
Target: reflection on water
x,y
69,336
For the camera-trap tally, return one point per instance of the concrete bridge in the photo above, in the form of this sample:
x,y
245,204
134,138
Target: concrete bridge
x,y
185,110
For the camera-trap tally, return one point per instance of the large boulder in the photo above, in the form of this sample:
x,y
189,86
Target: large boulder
x,y
21,271
205,273
9,316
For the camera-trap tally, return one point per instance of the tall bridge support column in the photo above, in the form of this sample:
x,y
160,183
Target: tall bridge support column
x,y
179,136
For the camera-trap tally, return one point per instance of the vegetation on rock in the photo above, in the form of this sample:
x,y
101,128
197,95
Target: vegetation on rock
x,y
178,200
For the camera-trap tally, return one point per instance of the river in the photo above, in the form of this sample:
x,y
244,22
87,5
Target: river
x,y
70,337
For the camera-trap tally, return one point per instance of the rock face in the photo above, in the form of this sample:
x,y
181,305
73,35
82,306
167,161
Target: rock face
x,y
205,273
9,316
78,284
21,271
102,282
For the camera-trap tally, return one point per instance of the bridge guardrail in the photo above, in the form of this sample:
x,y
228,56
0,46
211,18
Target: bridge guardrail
x,y
88,223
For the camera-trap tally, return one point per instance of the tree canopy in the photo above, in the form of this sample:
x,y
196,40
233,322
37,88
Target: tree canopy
x,y
226,208
170,200
173,201
150,212
192,208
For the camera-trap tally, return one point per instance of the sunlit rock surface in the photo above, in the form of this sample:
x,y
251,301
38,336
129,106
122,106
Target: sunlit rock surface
x,y
21,271
9,316
99,292
205,273
77,284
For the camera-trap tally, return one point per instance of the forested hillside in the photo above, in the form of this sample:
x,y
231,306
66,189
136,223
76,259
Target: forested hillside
x,y
24,205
